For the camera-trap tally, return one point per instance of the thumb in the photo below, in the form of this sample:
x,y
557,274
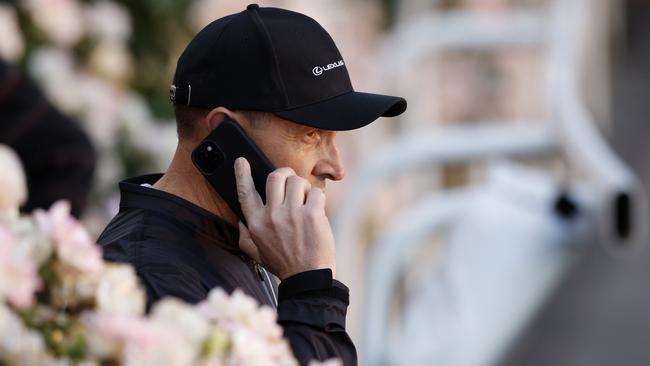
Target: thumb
x,y
246,243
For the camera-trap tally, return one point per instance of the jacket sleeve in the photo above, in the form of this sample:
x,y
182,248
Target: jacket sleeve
x,y
311,309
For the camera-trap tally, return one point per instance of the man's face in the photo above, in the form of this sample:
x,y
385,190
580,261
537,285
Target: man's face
x,y
310,152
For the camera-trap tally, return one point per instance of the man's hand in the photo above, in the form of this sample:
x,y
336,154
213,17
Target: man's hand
x,y
290,234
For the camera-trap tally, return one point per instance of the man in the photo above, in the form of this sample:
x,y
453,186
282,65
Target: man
x,y
280,76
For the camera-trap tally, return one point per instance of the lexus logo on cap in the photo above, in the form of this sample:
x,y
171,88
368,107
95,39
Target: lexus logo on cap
x,y
318,70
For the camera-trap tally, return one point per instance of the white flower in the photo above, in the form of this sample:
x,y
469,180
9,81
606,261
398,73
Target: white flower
x,y
54,68
138,341
119,292
73,288
12,45
34,244
183,317
220,307
100,105
72,244
107,20
112,60
106,334
222,330
251,348
19,345
255,337
13,188
19,279
59,20
158,138
240,310
160,346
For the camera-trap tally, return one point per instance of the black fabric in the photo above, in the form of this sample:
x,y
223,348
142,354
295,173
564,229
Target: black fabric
x,y
313,283
179,249
58,158
346,112
280,61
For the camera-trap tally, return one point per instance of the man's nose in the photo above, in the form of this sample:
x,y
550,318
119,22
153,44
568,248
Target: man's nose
x,y
330,166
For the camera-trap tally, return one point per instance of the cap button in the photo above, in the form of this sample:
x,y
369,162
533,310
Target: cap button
x,y
252,7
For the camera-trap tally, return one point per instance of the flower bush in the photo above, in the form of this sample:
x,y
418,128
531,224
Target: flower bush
x,y
59,301
61,304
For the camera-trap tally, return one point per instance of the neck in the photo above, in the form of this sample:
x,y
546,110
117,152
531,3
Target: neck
x,y
182,179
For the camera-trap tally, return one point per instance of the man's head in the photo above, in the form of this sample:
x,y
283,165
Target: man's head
x,y
279,74
310,152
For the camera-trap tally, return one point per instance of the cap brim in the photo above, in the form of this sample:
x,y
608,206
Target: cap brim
x,y
346,112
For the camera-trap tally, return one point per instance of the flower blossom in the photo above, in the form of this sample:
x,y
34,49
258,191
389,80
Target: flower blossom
x,y
72,243
59,20
138,341
13,187
107,20
119,292
18,344
19,279
12,44
256,338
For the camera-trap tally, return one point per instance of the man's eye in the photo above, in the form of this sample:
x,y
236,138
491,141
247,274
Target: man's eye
x,y
312,135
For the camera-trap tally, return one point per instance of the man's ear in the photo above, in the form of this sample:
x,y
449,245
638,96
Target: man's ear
x,y
216,116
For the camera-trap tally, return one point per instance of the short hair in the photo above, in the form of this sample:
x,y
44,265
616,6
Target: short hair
x,y
187,117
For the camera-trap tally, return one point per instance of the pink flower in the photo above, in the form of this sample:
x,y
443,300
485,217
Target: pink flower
x,y
138,341
72,243
108,334
255,336
19,279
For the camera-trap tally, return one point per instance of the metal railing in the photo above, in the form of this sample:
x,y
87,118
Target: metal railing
x,y
612,198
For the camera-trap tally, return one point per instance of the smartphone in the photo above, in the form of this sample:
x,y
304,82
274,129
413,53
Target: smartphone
x,y
215,158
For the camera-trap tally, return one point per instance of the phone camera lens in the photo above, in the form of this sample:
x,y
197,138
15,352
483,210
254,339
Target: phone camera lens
x,y
208,157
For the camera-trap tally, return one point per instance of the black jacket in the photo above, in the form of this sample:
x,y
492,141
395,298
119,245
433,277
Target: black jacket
x,y
179,249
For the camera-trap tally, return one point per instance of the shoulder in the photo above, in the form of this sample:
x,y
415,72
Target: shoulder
x,y
139,236
171,280
165,256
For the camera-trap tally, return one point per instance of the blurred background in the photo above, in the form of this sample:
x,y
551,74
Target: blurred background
x,y
501,220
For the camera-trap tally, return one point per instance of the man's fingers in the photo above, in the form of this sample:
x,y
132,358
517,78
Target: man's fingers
x,y
316,199
249,199
246,243
275,186
296,191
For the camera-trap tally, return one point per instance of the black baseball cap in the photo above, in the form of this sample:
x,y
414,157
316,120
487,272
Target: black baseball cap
x,y
278,61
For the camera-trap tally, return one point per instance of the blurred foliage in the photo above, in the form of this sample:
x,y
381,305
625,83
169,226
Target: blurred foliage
x,y
160,28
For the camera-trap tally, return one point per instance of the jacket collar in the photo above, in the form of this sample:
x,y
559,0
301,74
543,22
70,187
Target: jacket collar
x,y
199,220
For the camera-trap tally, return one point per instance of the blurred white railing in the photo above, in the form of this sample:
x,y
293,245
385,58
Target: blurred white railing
x,y
609,197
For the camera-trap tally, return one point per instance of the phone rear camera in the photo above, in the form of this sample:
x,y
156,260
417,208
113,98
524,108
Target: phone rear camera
x,y
208,157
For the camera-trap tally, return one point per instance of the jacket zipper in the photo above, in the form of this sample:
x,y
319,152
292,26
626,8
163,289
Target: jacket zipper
x,y
266,284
